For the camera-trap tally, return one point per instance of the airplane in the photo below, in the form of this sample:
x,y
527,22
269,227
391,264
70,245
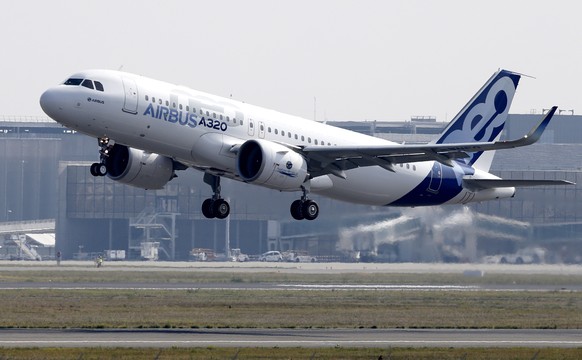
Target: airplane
x,y
149,129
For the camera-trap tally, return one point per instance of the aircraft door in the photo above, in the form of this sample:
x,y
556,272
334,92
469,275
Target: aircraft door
x,y
131,95
251,127
436,177
261,130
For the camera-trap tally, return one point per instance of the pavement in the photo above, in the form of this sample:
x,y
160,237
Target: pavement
x,y
307,338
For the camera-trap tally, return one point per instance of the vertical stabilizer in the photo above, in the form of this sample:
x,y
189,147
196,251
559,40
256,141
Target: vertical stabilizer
x,y
483,118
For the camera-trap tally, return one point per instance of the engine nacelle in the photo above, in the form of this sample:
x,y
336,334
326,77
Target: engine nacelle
x,y
139,168
266,163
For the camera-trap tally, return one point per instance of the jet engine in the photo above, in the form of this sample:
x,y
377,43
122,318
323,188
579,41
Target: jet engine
x,y
266,163
139,168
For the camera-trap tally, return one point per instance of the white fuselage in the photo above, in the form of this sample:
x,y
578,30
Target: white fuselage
x,y
199,130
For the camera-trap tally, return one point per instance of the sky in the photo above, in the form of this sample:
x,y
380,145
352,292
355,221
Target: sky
x,y
353,60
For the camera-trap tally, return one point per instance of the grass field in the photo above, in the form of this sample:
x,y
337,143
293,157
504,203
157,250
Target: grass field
x,y
191,276
54,308
31,308
121,308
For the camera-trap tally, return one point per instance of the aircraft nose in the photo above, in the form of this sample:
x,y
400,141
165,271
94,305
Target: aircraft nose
x,y
50,103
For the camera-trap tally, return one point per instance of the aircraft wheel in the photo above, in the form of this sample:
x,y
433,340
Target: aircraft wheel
x,y
98,169
220,208
207,209
310,209
101,169
296,211
93,169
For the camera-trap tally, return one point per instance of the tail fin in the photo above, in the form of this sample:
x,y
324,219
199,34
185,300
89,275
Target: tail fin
x,y
483,118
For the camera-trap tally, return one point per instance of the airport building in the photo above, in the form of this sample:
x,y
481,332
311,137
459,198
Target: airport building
x,y
44,174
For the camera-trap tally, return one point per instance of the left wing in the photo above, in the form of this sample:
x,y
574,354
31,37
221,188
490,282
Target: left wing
x,y
335,160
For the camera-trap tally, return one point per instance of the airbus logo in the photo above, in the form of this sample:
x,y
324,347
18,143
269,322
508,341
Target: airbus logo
x,y
95,100
171,115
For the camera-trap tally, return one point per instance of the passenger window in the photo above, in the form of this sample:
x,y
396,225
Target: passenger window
x,y
269,129
316,142
228,118
187,108
167,103
147,98
302,138
180,106
282,133
174,105
296,137
241,122
309,140
276,131
262,127
160,101
220,116
207,113
99,86
73,81
289,134
234,120
154,100
214,115
88,84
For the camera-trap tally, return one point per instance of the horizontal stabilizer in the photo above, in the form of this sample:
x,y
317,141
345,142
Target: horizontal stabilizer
x,y
481,184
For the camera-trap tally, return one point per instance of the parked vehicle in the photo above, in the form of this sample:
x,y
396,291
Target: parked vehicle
x,y
531,255
237,255
298,256
271,256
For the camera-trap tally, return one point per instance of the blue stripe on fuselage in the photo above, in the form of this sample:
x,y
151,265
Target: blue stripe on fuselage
x,y
422,195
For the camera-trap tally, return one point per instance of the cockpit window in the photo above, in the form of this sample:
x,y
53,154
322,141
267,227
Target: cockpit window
x,y
73,81
98,86
87,83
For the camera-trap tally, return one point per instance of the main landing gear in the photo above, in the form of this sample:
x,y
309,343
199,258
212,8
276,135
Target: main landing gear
x,y
215,207
304,208
99,169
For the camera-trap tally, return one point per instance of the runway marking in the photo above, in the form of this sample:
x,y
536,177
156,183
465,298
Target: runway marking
x,y
382,287
295,287
297,342
274,287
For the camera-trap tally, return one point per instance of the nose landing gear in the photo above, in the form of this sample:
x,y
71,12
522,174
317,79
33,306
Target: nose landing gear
x,y
100,169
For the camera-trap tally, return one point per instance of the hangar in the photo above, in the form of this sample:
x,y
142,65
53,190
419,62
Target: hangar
x,y
44,173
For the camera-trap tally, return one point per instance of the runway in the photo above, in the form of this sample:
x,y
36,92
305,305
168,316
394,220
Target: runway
x,y
161,286
305,338
312,338
295,268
